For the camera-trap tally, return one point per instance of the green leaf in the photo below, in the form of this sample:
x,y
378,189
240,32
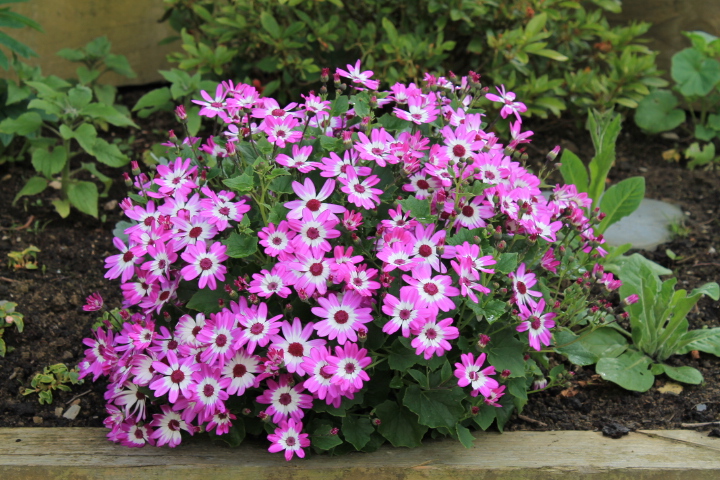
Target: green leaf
x,y
357,430
278,214
390,30
339,106
62,207
71,54
605,342
92,168
241,184
84,197
631,370
695,73
491,312
206,300
281,185
33,186
105,93
235,435
16,46
85,134
119,64
604,130
109,154
154,100
705,340
322,438
270,25
240,246
506,352
87,76
700,156
684,374
108,113
573,171
557,56
506,262
621,200
535,25
465,436
657,112
49,162
24,125
401,358
79,96
704,133
399,425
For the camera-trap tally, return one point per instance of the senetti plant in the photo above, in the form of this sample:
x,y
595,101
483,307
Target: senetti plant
x,y
341,273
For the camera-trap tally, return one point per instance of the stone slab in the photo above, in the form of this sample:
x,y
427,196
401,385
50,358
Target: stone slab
x,y
647,227
84,453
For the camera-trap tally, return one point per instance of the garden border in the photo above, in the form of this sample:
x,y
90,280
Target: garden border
x,y
85,453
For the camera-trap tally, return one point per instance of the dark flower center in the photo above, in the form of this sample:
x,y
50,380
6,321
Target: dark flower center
x,y
423,184
536,323
312,233
296,349
349,368
172,345
285,399
162,264
359,188
196,330
290,441
313,205
195,232
316,269
276,240
206,264
128,256
425,250
404,314
521,288
341,317
278,112
164,295
431,333
239,370
177,376
325,374
138,433
272,286
208,390
224,211
468,211
221,340
174,425
257,328
459,151
431,289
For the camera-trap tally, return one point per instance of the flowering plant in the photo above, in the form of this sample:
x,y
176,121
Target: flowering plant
x,y
341,273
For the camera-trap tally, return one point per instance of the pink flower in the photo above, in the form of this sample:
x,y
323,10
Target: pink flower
x,y
241,370
510,106
537,324
296,344
347,365
421,109
219,334
93,303
314,273
360,192
288,437
280,131
212,107
342,317
549,262
361,78
298,160
432,336
521,283
314,231
221,420
275,282
258,328
175,376
469,373
123,265
167,427
433,292
205,264
220,210
286,399
403,312
311,200
209,392
176,179
277,240
376,148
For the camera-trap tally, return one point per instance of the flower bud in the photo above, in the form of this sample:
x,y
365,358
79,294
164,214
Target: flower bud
x,y
539,383
180,113
376,421
362,334
502,244
246,411
505,373
631,299
135,168
483,341
325,75
474,410
552,154
128,180
334,431
264,416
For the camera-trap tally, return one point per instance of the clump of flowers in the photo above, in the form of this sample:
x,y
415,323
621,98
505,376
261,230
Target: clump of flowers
x,y
328,271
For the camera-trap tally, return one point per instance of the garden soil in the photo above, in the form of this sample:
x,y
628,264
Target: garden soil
x,y
72,253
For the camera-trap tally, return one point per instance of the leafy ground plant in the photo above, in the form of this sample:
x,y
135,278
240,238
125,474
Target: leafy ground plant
x,y
340,273
53,377
26,258
696,72
9,318
64,115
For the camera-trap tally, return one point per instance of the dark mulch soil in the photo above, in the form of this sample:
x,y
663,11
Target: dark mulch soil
x,y
73,249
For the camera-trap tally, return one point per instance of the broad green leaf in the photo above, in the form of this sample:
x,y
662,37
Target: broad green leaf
x,y
84,197
86,136
705,340
236,434
357,430
105,93
24,125
505,352
109,154
278,214
322,439
339,106
399,425
704,133
92,168
401,358
684,374
573,171
604,130
119,64
506,262
695,73
485,417
154,100
79,96
700,156
535,25
587,349
270,25
241,184
621,200
62,207
465,436
33,186
390,30
16,46
553,54
49,162
206,300
281,185
631,370
107,113
240,246
658,112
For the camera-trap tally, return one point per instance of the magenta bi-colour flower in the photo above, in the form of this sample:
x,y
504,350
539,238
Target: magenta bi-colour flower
x,y
204,263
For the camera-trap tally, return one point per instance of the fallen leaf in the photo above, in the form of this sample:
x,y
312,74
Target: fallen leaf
x,y
672,388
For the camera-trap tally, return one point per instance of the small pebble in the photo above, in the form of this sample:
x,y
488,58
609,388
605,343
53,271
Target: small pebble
x,y
72,412
701,407
37,420
58,412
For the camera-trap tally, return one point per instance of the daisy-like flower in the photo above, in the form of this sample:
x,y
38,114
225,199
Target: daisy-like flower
x,y
175,179
376,148
296,344
469,373
360,279
206,264
310,199
93,302
281,130
135,435
299,159
220,334
314,231
258,328
432,336
343,317
347,365
474,213
133,400
314,273
220,210
352,220
425,246
277,240
319,381
275,282
360,192
212,107
167,427
175,376
421,109
190,232
459,143
549,262
188,328
286,399
403,312
510,107
494,396
288,437
433,292
220,422
521,283
209,392
537,324
163,255
397,255
361,78
241,370
123,264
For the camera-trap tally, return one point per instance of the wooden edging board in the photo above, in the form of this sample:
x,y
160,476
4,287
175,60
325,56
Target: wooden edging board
x,y
84,453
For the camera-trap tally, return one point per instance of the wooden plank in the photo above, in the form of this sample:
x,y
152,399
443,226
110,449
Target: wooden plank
x,y
84,453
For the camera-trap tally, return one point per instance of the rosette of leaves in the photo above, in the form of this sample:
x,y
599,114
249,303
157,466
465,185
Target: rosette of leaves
x,y
53,377
61,121
9,318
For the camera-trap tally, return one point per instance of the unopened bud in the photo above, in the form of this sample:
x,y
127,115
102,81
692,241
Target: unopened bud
x,y
552,154
474,410
631,299
376,421
483,341
505,373
128,180
135,168
180,113
325,75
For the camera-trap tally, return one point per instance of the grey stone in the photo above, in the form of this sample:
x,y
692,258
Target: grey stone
x,y
647,227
